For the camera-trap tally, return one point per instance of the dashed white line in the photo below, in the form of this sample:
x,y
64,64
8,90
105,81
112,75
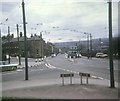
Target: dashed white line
x,y
9,73
37,70
50,66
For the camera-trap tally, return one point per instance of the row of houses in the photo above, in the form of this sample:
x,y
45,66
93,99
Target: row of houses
x,y
36,47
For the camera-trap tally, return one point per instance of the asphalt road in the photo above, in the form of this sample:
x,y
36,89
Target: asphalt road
x,y
53,67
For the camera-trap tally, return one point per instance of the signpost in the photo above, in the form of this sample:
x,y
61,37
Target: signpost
x,y
66,75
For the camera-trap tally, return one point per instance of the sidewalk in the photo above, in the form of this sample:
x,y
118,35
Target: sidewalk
x,y
53,89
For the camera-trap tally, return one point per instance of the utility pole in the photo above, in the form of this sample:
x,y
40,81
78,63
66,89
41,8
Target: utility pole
x,y
119,30
52,49
0,46
100,44
9,44
25,41
90,45
19,52
112,84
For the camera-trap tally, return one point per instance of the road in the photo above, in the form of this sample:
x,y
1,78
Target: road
x,y
51,68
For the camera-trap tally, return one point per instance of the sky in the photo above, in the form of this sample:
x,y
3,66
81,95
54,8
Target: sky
x,y
59,20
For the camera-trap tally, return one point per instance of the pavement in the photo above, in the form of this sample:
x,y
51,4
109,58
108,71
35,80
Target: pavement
x,y
53,89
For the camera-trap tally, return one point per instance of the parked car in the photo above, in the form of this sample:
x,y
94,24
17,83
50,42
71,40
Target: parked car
x,y
101,55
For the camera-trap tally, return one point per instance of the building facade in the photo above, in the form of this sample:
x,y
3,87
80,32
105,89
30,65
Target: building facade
x,y
36,47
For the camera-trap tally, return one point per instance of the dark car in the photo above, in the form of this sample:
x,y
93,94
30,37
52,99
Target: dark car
x,y
72,54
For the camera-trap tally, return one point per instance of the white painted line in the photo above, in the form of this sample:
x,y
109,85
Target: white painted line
x,y
100,78
47,65
68,70
94,76
52,66
9,73
19,70
75,72
37,70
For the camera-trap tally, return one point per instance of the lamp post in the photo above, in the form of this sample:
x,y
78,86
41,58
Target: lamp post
x,y
25,41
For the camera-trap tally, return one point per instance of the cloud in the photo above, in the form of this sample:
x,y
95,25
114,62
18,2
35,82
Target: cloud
x,y
82,16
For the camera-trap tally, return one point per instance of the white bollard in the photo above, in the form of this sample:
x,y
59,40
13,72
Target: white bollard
x,y
35,60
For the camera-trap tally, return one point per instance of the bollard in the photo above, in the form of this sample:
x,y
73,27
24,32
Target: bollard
x,y
39,60
70,79
35,60
86,78
63,80
80,79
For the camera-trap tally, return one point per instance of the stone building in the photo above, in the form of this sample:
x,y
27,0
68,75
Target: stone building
x,y
36,47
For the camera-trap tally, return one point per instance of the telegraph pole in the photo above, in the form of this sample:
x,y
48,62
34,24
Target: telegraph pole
x,y
100,44
9,44
19,55
90,45
25,41
112,84
0,46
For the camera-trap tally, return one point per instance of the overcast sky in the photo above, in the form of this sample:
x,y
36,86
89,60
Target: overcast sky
x,y
59,20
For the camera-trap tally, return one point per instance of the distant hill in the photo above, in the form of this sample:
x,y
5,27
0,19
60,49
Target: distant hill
x,y
95,43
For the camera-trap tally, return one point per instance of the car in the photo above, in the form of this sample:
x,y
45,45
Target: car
x,y
101,55
74,54
53,55
78,55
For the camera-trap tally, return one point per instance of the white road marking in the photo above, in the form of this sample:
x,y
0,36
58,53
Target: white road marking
x,y
100,78
19,70
37,70
94,76
50,66
9,73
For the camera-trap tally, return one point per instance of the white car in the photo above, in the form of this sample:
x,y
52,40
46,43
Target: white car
x,y
101,55
78,55
53,55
